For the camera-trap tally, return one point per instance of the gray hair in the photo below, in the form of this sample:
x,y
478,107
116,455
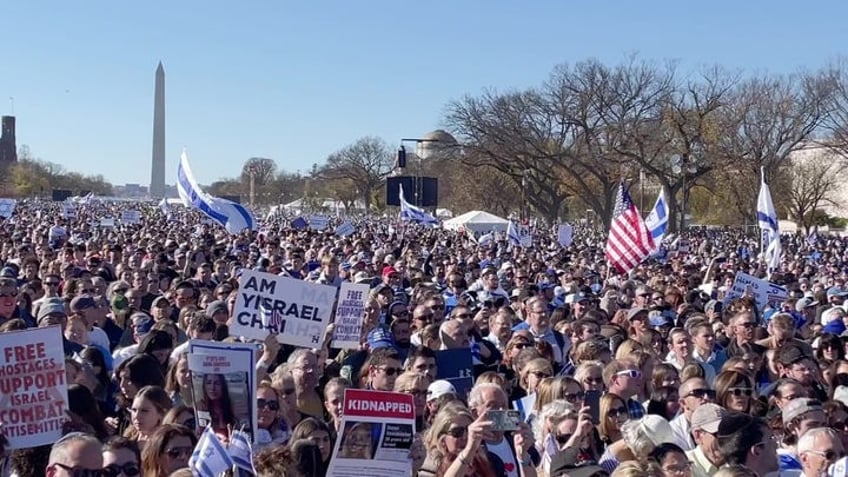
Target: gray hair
x,y
807,442
59,451
555,411
475,396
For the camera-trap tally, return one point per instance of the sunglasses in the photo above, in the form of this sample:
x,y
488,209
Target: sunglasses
x,y
463,316
740,391
575,397
618,411
562,439
272,405
540,374
177,452
129,469
77,472
457,432
392,371
702,393
829,455
633,373
427,317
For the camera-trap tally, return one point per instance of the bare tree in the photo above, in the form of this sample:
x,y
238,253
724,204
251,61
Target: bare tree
x,y
816,180
366,163
262,168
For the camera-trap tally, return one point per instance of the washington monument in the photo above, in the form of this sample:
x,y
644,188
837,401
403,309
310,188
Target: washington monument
x,y
157,172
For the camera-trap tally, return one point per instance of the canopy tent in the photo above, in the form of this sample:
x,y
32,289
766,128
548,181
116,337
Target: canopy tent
x,y
477,221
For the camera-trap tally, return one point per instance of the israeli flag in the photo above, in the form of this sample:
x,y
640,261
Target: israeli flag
x,y
209,458
241,452
413,213
657,220
230,215
767,219
513,235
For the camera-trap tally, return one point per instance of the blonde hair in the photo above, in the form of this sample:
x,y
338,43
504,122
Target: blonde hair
x,y
550,389
410,379
606,404
532,365
554,412
449,413
627,347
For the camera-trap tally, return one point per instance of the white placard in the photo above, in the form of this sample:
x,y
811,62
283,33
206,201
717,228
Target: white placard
x,y
131,216
565,235
7,207
345,229
68,211
349,315
761,290
297,311
318,222
107,222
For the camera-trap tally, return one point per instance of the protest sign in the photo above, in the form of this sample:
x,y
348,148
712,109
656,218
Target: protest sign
x,y
7,207
763,291
299,223
131,217
349,314
68,212
223,380
525,238
296,311
375,435
345,229
456,367
318,222
33,390
107,222
525,405
565,235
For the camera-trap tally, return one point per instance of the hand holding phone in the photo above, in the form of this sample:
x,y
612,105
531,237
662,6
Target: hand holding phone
x,y
507,420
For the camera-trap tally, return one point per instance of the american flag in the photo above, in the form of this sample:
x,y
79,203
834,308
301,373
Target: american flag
x,y
629,240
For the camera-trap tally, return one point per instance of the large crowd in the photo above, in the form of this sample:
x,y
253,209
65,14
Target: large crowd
x,y
660,372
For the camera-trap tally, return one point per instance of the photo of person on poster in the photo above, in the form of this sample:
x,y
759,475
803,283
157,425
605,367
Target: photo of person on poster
x,y
357,441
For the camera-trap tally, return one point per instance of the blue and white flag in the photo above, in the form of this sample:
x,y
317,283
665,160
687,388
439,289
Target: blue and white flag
x,y
513,235
657,220
241,451
813,237
209,458
413,213
232,216
767,219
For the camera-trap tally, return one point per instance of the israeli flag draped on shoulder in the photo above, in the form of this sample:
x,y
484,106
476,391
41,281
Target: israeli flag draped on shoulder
x,y
209,458
657,220
413,213
767,219
230,215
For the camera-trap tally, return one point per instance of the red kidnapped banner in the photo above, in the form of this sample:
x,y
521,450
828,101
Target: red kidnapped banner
x,y
381,404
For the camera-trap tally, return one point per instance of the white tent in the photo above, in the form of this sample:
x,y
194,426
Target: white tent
x,y
477,221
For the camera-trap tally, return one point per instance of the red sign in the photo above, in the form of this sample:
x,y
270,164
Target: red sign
x,y
361,402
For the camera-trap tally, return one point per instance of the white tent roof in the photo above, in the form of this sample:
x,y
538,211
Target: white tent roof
x,y
478,221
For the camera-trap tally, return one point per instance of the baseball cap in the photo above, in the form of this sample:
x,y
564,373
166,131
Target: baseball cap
x,y
836,291
567,463
658,319
49,308
439,388
83,302
798,407
141,323
158,300
217,306
389,271
636,311
379,337
361,277
707,417
805,302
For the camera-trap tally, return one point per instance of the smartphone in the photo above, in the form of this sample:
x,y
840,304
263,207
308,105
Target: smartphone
x,y
592,399
508,420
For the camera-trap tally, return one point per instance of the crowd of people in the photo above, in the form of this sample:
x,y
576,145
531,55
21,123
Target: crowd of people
x,y
660,372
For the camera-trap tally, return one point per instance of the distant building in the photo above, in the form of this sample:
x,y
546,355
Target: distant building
x,y
8,146
822,154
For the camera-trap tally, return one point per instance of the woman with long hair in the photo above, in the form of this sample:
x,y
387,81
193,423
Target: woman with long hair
x,y
734,390
334,400
132,375
216,402
454,445
273,429
319,433
613,413
178,381
167,451
146,413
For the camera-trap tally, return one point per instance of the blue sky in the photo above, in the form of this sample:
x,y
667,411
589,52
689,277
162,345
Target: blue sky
x,y
295,81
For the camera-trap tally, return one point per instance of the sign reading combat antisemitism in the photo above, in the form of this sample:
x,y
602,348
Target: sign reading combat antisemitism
x,y
33,390
349,315
296,311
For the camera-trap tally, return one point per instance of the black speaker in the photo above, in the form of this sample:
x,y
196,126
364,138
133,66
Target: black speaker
x,y
427,188
401,158
60,195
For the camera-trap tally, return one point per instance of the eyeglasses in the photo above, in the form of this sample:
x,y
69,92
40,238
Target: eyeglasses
x,y
129,469
462,316
618,411
272,405
702,393
78,472
177,452
575,397
562,439
540,374
682,469
740,391
633,373
391,371
830,455
457,432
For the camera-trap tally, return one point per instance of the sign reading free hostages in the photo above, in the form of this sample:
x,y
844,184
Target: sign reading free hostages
x,y
297,311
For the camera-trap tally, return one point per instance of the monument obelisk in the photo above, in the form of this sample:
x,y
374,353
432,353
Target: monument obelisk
x,y
157,172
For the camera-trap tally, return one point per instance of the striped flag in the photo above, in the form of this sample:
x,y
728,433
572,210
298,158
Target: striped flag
x,y
241,451
767,219
629,240
209,458
272,320
413,213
